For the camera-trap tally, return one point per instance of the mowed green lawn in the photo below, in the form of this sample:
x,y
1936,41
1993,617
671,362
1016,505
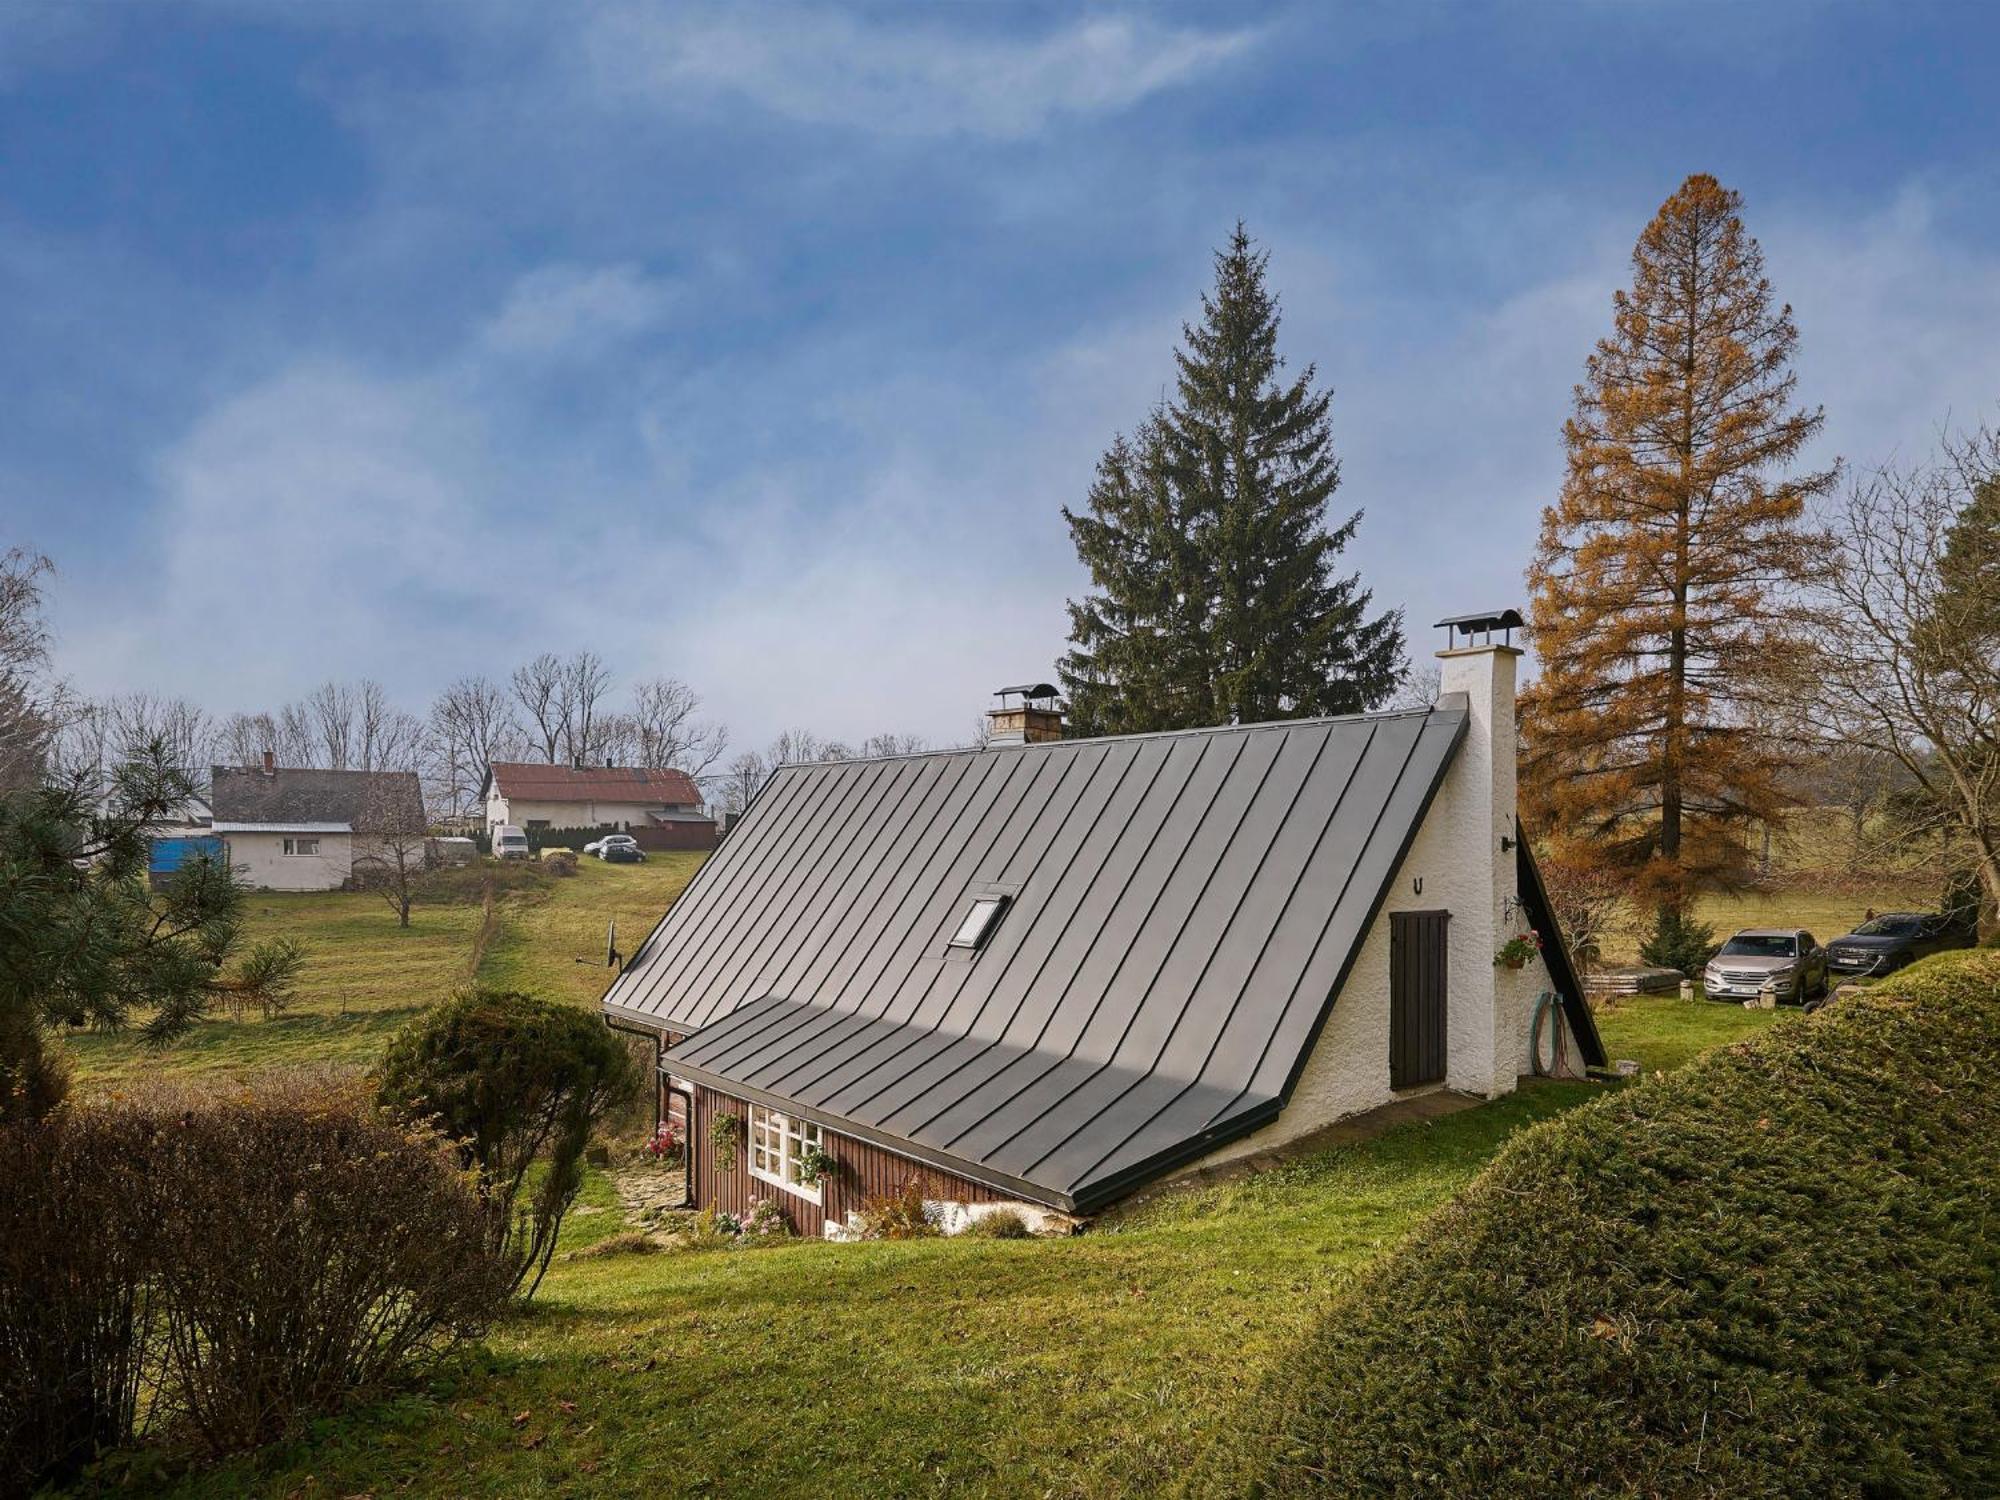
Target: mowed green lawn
x,y
1099,1365
365,976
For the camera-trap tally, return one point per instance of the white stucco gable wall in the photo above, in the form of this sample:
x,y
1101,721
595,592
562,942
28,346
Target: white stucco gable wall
x,y
1455,864
260,861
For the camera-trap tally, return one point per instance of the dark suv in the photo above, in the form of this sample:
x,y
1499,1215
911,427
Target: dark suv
x,y
1886,943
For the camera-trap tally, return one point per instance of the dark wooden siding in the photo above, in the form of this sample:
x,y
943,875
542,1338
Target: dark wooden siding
x,y
865,1172
1418,988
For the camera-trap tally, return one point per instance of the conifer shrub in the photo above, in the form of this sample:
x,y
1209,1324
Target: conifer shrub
x,y
1677,941
519,1084
1773,1272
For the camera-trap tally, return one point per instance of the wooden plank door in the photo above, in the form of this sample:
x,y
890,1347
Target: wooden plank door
x,y
1418,985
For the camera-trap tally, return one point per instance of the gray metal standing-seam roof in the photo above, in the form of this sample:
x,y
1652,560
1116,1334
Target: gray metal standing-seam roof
x,y
1181,910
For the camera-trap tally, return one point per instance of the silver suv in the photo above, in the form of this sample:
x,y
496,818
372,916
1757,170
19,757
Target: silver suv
x,y
1787,959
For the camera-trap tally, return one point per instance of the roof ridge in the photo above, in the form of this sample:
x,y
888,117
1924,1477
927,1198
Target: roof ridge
x,y
1380,715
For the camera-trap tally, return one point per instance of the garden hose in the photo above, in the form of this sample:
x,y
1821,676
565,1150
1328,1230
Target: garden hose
x,y
1549,1007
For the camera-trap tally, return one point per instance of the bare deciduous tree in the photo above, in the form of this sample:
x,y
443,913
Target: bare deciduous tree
x,y
243,739
741,781
894,744
1420,687
32,706
296,740
537,685
668,730
1905,657
392,842
330,708
579,691
472,725
140,720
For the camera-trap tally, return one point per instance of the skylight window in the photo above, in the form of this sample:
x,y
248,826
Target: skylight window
x,y
978,923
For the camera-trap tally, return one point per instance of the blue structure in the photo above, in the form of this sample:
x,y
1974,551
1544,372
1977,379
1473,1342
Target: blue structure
x,y
170,854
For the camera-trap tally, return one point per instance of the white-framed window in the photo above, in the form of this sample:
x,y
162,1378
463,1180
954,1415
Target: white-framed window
x,y
775,1143
301,846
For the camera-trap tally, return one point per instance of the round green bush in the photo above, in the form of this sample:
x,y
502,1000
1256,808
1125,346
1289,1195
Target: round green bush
x,y
518,1083
1773,1273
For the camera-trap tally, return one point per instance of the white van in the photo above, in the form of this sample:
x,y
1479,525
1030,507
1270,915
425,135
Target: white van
x,y
509,842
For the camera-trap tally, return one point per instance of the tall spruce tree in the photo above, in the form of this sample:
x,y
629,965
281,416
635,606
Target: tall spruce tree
x,y
1662,589
1206,537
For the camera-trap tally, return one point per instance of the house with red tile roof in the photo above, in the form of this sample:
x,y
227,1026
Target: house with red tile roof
x,y
661,807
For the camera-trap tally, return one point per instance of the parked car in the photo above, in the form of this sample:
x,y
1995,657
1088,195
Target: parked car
x,y
1785,958
1883,944
622,854
509,842
598,846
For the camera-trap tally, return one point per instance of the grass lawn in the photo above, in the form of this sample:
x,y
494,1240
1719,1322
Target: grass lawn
x,y
1100,1365
365,976
540,941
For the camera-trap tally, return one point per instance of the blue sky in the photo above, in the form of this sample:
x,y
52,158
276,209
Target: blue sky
x,y
760,345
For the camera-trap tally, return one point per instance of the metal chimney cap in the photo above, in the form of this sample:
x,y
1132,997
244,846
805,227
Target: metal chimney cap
x,y
1484,623
1506,619
1028,690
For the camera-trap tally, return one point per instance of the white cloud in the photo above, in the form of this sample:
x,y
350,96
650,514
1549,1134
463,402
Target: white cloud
x,y
311,525
577,310
827,68
1896,321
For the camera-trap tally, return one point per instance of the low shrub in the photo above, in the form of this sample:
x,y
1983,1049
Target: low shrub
x,y
1001,1224
559,862
76,1316
764,1221
222,1268
897,1216
519,1084
308,1247
1773,1272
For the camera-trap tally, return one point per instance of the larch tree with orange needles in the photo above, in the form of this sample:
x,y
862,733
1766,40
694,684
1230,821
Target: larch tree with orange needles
x,y
1662,591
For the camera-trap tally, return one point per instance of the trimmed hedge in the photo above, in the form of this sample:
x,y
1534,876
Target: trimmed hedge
x,y
1774,1272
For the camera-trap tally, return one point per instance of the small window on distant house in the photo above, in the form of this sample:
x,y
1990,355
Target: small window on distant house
x,y
301,846
978,923
776,1143
538,822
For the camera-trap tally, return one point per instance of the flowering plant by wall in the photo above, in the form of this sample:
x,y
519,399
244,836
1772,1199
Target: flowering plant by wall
x,y
815,1164
764,1221
1517,950
663,1145
724,1131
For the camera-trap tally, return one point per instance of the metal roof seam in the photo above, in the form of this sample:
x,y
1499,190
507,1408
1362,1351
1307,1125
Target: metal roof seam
x,y
1033,1049
1243,895
795,906
1166,956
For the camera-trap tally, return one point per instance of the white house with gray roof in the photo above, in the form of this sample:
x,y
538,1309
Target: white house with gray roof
x,y
306,830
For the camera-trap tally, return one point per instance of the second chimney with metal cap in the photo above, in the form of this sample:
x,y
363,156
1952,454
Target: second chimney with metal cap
x,y
1034,720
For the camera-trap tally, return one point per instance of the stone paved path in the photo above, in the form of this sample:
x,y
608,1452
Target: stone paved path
x,y
652,1195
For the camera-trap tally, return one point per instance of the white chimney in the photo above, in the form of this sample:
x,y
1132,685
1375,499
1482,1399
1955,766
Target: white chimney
x,y
1487,1042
